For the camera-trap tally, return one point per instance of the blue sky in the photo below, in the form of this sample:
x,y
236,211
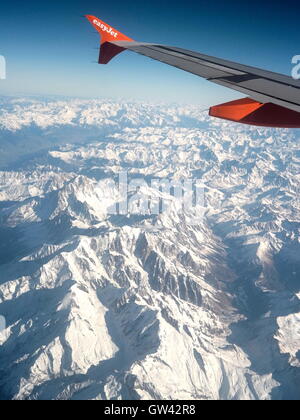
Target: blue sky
x,y
50,48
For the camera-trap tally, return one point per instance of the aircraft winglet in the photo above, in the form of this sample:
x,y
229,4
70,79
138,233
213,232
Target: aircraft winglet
x,y
108,35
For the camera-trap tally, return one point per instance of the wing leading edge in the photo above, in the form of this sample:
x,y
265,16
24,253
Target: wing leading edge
x,y
273,99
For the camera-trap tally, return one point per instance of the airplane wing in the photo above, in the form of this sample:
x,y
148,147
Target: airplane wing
x,y
273,99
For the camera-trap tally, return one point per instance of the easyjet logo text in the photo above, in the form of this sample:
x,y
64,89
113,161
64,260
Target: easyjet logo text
x,y
105,28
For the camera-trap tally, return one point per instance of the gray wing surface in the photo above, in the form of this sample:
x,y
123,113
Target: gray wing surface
x,y
261,85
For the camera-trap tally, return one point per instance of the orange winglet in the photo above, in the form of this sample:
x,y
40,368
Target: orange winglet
x,y
248,111
108,34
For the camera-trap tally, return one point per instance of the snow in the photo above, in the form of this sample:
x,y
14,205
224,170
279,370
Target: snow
x,y
106,306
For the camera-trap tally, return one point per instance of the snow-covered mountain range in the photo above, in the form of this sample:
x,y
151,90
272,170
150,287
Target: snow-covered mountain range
x,y
108,306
